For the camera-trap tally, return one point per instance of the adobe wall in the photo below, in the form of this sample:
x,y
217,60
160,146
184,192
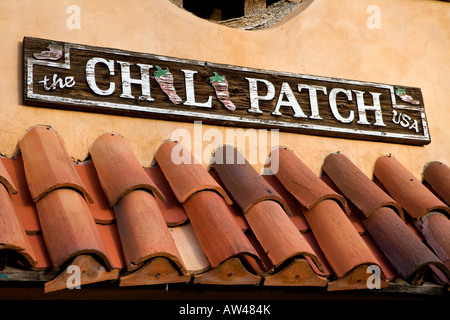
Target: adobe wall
x,y
328,38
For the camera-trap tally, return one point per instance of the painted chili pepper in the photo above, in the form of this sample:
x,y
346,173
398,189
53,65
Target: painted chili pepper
x,y
220,85
405,97
54,52
165,81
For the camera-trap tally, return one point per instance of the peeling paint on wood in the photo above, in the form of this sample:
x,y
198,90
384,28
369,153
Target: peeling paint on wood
x,y
112,81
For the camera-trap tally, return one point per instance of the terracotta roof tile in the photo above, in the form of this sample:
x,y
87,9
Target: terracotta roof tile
x,y
437,175
301,182
47,163
277,234
6,180
404,249
185,175
68,227
190,249
235,172
234,208
406,189
12,234
356,186
353,216
296,215
343,247
143,231
111,240
91,271
209,215
22,201
118,169
100,209
435,227
172,211
40,252
198,235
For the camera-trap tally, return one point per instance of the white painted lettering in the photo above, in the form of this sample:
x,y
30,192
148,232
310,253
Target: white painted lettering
x,y
90,76
362,108
292,102
144,81
313,98
190,91
255,97
334,108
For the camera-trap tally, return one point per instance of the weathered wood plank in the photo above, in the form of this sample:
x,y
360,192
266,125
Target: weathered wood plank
x,y
92,79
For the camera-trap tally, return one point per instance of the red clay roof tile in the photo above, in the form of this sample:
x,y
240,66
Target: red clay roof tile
x,y
406,189
118,169
231,271
354,211
91,271
5,178
190,250
47,163
209,215
185,175
172,211
296,216
143,231
100,209
158,270
297,273
22,201
277,234
437,175
68,227
435,227
111,240
12,234
356,186
238,175
301,182
234,208
40,252
404,249
342,245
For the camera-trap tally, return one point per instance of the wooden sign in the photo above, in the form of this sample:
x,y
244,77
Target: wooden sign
x,y
91,79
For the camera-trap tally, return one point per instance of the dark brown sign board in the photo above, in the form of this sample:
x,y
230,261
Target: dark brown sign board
x,y
103,80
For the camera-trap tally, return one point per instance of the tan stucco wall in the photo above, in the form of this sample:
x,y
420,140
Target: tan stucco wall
x,y
329,38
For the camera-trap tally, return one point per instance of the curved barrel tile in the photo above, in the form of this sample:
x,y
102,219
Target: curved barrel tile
x,y
341,244
6,180
405,251
12,234
437,175
118,169
143,231
408,191
435,227
301,182
238,175
69,228
184,174
47,164
217,231
356,186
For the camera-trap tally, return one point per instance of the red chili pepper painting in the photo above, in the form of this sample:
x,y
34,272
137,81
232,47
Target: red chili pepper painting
x,y
405,97
54,52
220,85
165,81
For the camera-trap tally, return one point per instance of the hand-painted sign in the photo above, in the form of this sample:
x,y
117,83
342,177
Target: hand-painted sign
x,y
85,78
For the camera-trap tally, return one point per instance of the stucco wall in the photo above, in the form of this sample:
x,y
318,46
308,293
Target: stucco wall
x,y
328,38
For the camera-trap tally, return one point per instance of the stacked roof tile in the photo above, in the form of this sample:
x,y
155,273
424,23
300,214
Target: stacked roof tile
x,y
178,222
